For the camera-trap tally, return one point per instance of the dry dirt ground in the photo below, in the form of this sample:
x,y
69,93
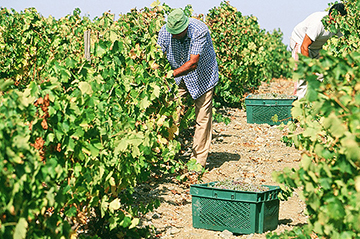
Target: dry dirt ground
x,y
250,152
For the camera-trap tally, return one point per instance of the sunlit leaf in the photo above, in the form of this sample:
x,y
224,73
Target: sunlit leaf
x,y
115,204
20,229
85,88
334,125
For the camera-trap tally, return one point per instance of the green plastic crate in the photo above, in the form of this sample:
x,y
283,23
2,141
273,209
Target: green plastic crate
x,y
263,111
237,211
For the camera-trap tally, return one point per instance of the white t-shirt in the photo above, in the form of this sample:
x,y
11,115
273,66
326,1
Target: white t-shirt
x,y
314,28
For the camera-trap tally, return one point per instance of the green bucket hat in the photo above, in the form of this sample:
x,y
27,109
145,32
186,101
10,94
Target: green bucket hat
x,y
177,22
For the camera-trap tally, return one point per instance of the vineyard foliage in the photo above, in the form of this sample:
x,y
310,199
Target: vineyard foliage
x,y
329,173
350,29
77,135
247,55
99,127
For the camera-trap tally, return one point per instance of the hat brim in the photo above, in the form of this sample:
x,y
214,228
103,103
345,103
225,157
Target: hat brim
x,y
180,29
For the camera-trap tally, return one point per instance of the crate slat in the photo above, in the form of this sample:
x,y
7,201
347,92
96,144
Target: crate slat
x,y
263,111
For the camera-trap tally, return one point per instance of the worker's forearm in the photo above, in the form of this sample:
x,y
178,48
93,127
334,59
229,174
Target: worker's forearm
x,y
188,66
305,51
305,45
185,69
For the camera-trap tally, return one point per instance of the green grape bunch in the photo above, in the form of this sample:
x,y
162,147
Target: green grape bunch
x,y
240,186
272,96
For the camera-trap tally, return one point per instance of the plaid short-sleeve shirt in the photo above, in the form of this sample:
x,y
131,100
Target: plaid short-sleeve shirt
x,y
197,42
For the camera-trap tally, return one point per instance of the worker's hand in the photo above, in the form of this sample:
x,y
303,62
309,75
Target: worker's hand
x,y
169,75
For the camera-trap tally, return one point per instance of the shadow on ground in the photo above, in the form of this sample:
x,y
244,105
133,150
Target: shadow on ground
x,y
217,159
288,221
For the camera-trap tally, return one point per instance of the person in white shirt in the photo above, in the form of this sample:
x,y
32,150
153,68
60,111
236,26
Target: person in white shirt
x,y
308,38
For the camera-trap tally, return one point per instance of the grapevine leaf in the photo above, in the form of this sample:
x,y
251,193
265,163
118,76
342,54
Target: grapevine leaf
x,y
112,181
104,205
134,223
296,111
20,229
155,3
65,75
117,48
71,212
27,97
156,92
357,183
100,49
352,148
70,62
113,223
311,132
336,209
145,103
169,75
94,150
306,162
85,88
311,94
114,205
21,142
126,222
113,36
193,165
50,137
77,169
5,84
121,146
334,125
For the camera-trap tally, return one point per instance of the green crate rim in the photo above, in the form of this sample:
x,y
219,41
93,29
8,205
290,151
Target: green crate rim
x,y
203,190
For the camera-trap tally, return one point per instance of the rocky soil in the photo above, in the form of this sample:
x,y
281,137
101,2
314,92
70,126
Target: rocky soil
x,y
249,152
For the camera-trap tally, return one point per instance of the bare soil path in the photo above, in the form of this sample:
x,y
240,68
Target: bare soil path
x,y
251,152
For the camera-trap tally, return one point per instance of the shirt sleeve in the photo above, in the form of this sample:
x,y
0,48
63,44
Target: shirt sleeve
x,y
315,31
198,43
161,40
